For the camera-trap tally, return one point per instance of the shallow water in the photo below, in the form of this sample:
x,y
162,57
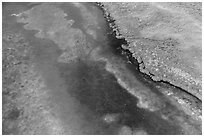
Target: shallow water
x,y
82,91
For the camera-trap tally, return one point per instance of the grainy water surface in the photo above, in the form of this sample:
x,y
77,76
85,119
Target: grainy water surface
x,y
84,96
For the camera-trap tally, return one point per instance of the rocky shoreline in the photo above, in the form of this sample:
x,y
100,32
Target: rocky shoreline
x,y
163,59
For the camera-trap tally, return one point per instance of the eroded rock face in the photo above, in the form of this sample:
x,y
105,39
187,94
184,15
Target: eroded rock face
x,y
165,38
63,74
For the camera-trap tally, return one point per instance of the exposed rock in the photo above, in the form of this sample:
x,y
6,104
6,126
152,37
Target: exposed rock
x,y
165,38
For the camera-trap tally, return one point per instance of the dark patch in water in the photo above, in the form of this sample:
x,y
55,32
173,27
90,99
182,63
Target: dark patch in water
x,y
96,88
14,114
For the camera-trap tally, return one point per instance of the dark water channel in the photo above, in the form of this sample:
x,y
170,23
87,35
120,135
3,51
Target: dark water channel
x,y
85,88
